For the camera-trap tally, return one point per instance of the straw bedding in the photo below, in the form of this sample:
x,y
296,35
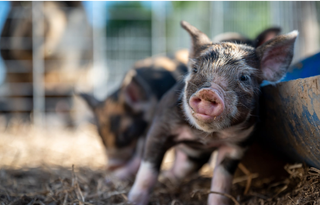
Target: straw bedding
x,y
67,167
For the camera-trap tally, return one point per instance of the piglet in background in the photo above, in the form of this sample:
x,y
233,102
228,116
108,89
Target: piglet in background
x,y
260,39
124,116
214,108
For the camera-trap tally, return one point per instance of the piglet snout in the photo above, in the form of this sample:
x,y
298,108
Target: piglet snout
x,y
206,104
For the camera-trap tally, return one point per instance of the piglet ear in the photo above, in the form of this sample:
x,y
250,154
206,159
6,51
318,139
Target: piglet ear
x,y
135,90
276,55
198,38
90,100
266,35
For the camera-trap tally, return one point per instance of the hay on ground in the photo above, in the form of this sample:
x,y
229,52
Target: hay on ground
x,y
36,168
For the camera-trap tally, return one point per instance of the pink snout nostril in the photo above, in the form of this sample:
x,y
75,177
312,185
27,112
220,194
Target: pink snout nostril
x,y
207,102
196,100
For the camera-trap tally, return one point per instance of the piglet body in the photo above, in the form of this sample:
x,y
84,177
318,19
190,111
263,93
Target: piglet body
x,y
215,108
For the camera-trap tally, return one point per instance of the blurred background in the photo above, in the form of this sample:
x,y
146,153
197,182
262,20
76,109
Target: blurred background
x,y
50,50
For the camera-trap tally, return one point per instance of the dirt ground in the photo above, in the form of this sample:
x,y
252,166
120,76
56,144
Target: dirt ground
x,y
67,167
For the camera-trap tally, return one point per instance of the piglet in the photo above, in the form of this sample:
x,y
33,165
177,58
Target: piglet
x,y
124,116
214,108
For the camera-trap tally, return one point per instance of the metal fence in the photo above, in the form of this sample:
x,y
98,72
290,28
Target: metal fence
x,y
131,31
47,52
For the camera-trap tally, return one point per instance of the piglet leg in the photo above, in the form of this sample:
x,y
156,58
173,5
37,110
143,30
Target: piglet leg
x,y
131,168
156,146
227,162
184,165
146,179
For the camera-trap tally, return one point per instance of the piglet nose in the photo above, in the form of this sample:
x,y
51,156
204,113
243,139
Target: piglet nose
x,y
207,102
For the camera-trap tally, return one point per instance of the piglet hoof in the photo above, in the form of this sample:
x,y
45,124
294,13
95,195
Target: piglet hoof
x,y
110,180
123,174
118,176
215,199
168,177
138,198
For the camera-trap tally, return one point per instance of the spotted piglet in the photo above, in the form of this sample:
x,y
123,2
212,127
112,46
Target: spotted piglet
x,y
214,108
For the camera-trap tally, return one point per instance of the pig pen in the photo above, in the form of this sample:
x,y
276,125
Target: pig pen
x,y
67,167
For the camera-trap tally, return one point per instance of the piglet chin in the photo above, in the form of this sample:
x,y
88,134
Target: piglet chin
x,y
203,117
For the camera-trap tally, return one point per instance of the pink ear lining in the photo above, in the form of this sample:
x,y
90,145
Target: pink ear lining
x,y
276,56
268,37
133,92
275,61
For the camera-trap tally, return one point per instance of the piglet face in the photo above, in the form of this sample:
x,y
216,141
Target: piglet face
x,y
121,120
222,87
119,127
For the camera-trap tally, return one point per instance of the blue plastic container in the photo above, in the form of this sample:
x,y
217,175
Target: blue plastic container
x,y
306,68
290,113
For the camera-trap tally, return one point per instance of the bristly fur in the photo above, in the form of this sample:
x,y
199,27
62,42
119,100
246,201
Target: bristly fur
x,y
223,63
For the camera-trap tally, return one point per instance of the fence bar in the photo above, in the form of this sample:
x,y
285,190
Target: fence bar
x,y
38,64
217,18
158,27
100,74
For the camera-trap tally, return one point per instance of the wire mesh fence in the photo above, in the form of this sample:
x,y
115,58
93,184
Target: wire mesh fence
x,y
47,51
52,49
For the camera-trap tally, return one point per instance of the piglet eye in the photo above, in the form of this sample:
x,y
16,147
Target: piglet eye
x,y
244,78
194,70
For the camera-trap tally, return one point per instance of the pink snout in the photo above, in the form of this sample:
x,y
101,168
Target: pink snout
x,y
207,104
